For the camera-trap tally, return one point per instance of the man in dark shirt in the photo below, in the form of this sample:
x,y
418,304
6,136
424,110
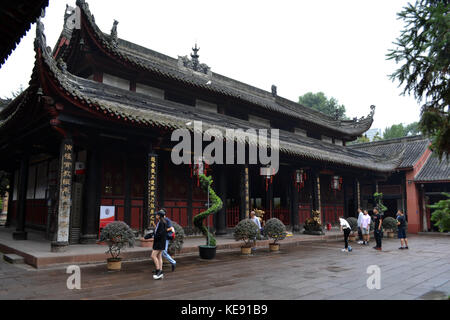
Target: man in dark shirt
x,y
401,224
378,231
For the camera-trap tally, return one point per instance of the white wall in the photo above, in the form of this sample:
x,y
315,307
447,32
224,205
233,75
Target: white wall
x,y
151,91
116,81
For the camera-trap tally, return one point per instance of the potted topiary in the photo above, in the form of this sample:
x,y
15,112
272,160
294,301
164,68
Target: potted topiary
x,y
390,225
117,235
247,231
207,251
353,222
276,230
176,244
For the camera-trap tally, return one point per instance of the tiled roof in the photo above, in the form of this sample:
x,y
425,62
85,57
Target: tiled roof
x,y
434,170
166,66
16,18
145,111
414,148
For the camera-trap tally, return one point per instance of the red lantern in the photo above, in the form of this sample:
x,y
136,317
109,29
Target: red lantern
x,y
299,179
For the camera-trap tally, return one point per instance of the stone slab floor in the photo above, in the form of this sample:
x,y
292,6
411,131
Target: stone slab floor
x,y
309,271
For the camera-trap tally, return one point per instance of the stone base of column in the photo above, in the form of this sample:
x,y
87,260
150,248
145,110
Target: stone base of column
x,y
296,228
88,239
20,235
221,232
59,246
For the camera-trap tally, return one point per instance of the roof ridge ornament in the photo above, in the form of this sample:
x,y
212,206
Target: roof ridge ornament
x,y
114,38
194,63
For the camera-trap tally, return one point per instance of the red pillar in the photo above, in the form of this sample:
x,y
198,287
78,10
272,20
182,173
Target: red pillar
x,y
412,204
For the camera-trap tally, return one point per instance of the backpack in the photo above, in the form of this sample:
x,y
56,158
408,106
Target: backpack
x,y
171,235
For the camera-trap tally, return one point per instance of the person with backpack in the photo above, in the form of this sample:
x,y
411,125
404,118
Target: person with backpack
x,y
170,236
159,244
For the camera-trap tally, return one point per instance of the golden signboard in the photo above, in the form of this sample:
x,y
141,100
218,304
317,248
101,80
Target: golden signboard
x,y
152,190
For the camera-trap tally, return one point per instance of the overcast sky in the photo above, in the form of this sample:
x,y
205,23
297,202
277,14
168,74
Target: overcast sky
x,y
337,47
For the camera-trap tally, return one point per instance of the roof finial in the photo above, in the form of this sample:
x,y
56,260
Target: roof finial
x,y
114,32
195,56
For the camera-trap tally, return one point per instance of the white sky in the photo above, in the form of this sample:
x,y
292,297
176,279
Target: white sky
x,y
337,47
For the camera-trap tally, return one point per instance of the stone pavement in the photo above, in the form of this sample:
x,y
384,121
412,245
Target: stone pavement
x,y
36,250
310,270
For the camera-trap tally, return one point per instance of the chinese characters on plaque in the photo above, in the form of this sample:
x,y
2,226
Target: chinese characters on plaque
x,y
152,183
247,193
65,191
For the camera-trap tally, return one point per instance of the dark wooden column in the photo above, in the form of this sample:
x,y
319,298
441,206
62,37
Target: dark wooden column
x,y
92,192
269,201
294,204
221,183
127,189
345,183
190,211
12,180
66,166
20,233
315,181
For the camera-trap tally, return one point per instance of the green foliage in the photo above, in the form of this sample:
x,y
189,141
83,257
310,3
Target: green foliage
x,y
389,223
441,213
379,202
400,131
117,235
424,50
216,205
177,244
275,229
320,102
246,230
353,222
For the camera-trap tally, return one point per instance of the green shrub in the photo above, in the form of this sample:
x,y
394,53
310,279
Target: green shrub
x,y
246,230
441,213
177,244
353,222
117,235
390,223
216,205
275,229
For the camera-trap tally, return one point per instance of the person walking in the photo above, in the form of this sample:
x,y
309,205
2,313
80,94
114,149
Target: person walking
x,y
256,220
378,232
365,227
170,232
159,244
360,235
401,225
345,226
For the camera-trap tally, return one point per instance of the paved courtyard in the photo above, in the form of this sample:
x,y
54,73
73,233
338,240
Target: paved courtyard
x,y
309,271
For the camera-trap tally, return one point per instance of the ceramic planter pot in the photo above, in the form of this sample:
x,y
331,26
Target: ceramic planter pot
x,y
274,247
114,264
207,252
352,238
246,250
147,243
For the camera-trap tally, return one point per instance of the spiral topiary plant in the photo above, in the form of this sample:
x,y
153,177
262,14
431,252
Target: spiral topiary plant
x,y
177,244
216,205
246,230
117,235
275,229
379,202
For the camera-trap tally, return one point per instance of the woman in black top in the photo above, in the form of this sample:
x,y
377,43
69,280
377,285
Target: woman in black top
x,y
159,244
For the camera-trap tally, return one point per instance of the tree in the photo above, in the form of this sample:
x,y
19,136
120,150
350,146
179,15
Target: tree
x,y
320,102
441,213
424,49
394,131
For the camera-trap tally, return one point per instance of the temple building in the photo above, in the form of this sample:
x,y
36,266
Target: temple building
x,y
93,131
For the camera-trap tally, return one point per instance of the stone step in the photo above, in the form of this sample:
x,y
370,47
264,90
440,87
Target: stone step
x,y
13,258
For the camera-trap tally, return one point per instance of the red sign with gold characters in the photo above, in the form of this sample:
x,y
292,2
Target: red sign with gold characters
x,y
152,188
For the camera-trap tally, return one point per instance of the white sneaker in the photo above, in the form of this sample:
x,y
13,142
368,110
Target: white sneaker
x,y
360,242
344,250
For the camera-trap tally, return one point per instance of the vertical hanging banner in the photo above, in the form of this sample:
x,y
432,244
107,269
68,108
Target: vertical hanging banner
x,y
152,188
318,195
65,191
246,192
358,187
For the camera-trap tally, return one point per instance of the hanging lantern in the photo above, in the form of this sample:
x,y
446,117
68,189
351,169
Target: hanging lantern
x,y
299,179
198,169
268,174
336,183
